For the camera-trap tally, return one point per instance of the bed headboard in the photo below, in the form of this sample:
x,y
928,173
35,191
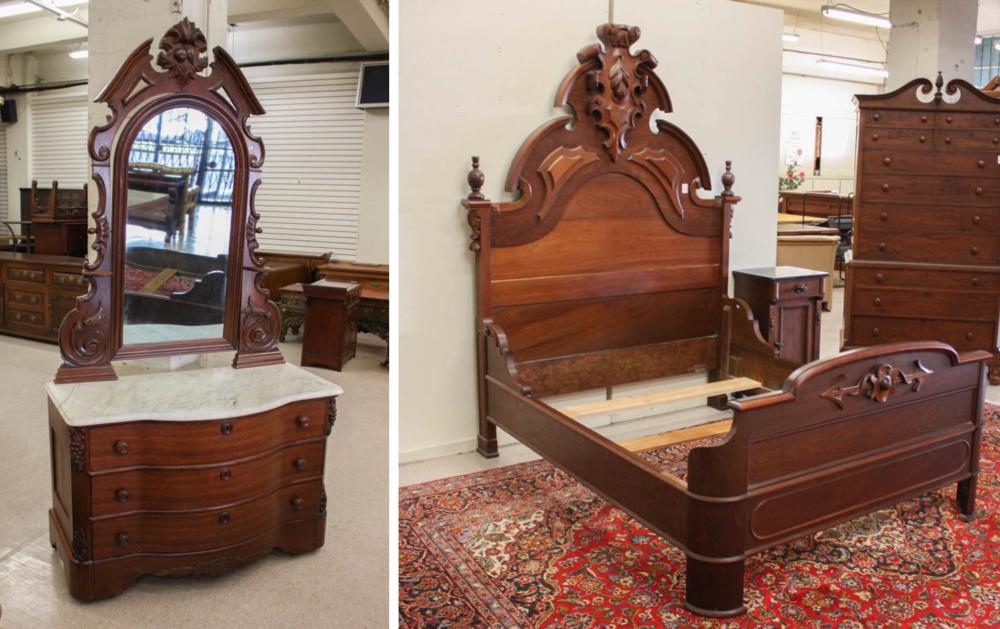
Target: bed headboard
x,y
608,267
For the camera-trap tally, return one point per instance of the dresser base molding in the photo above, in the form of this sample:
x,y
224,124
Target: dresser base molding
x,y
95,580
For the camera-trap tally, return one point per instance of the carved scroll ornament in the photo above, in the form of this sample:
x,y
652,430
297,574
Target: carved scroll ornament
x,y
879,384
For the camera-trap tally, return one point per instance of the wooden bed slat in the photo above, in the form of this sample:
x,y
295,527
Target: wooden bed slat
x,y
673,437
721,387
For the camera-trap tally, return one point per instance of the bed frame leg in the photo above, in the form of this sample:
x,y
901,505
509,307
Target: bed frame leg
x,y
487,439
715,589
966,496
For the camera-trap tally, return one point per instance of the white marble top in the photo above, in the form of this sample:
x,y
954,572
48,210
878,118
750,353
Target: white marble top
x,y
190,395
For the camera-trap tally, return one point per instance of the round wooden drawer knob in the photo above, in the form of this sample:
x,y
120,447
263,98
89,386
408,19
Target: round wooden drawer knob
x,y
996,121
975,281
876,116
225,475
886,160
883,216
877,301
977,219
949,119
947,139
879,277
996,140
122,539
299,463
981,164
121,447
874,331
874,137
923,139
226,428
224,517
800,288
979,191
885,187
882,246
968,336
298,503
302,422
974,251
121,495
923,118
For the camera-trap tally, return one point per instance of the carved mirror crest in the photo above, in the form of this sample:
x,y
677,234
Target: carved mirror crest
x,y
176,169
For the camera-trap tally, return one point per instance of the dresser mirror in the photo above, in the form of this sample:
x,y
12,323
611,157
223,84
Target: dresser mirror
x,y
172,268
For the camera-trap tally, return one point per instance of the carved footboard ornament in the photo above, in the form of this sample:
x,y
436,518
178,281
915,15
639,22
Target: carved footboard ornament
x,y
879,384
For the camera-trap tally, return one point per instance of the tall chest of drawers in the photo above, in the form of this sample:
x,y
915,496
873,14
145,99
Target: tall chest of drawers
x,y
186,473
927,219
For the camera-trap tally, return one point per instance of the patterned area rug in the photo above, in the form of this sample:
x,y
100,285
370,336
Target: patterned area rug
x,y
138,278
527,546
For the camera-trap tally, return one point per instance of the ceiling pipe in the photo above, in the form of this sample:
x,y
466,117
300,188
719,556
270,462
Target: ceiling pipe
x,y
59,13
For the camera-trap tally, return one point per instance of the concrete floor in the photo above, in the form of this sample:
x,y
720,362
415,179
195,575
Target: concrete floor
x,y
343,584
470,462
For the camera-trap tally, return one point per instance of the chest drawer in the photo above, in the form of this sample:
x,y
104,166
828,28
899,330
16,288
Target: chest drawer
x,y
948,190
968,163
17,274
927,247
26,299
18,316
205,530
967,139
962,335
907,278
114,446
897,118
959,120
882,137
205,487
931,303
69,280
933,219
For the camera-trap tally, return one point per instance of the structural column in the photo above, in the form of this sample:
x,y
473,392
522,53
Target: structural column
x,y
930,36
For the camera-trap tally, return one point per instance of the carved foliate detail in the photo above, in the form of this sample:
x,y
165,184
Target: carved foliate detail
x,y
879,384
259,325
475,222
617,86
182,52
81,552
252,230
331,415
78,448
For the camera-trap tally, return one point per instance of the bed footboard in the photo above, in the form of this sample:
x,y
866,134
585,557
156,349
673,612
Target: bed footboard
x,y
846,436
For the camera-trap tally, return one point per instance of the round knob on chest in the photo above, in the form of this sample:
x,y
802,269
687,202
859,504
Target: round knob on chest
x,y
121,447
877,301
885,187
923,118
226,428
224,517
977,219
883,216
122,539
947,139
122,495
879,277
886,160
225,475
923,139
981,164
302,421
876,116
968,336
874,137
996,121
299,463
996,140
949,119
979,191
882,246
974,251
298,503
975,281
874,331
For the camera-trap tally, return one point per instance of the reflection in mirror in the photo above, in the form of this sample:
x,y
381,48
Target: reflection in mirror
x,y
178,222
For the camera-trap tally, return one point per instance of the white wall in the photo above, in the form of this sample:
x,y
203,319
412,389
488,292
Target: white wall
x,y
484,87
373,229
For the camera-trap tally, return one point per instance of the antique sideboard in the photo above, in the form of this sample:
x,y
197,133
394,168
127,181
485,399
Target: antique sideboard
x,y
36,292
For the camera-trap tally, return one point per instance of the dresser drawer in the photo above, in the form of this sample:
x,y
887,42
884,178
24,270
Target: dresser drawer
x,y
962,335
16,274
967,139
201,487
936,248
881,137
26,299
17,316
206,530
929,303
933,219
897,118
947,190
912,278
114,446
960,120
968,163
69,280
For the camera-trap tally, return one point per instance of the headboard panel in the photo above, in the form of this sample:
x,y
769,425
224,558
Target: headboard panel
x,y
608,246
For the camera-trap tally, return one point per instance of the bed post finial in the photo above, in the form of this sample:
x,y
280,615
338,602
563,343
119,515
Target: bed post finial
x,y
728,179
476,180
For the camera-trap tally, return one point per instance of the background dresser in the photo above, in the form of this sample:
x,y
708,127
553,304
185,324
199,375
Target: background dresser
x,y
927,219
36,292
186,473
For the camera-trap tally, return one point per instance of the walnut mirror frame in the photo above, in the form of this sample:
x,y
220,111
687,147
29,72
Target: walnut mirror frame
x,y
91,336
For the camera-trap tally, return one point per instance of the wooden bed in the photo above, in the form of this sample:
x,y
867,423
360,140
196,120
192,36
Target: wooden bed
x,y
611,268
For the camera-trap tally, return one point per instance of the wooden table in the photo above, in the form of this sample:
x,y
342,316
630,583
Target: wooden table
x,y
788,229
796,219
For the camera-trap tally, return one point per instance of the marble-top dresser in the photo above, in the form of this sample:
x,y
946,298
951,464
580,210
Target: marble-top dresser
x,y
186,472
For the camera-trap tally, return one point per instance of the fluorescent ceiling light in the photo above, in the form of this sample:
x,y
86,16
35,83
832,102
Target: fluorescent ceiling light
x,y
858,17
789,37
21,8
79,54
852,68
978,40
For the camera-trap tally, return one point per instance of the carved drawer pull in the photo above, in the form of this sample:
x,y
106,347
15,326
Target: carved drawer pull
x,y
121,495
979,191
886,160
298,503
302,421
976,219
885,187
299,463
883,216
968,336
975,281
876,116
225,475
224,517
981,164
877,301
17,316
800,288
879,277
121,447
874,137
226,428
923,139
874,331
122,539
974,251
882,246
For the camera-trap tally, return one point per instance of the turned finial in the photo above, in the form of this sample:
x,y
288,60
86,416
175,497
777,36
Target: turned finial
x,y
476,180
938,84
728,179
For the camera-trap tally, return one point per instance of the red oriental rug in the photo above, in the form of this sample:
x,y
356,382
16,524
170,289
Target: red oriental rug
x,y
527,546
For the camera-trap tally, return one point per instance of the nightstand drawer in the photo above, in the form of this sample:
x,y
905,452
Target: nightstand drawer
x,y
805,288
172,489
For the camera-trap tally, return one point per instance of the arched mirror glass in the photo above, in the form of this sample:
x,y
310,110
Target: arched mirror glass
x,y
178,226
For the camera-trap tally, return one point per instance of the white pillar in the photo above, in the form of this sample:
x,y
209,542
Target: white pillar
x,y
930,36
